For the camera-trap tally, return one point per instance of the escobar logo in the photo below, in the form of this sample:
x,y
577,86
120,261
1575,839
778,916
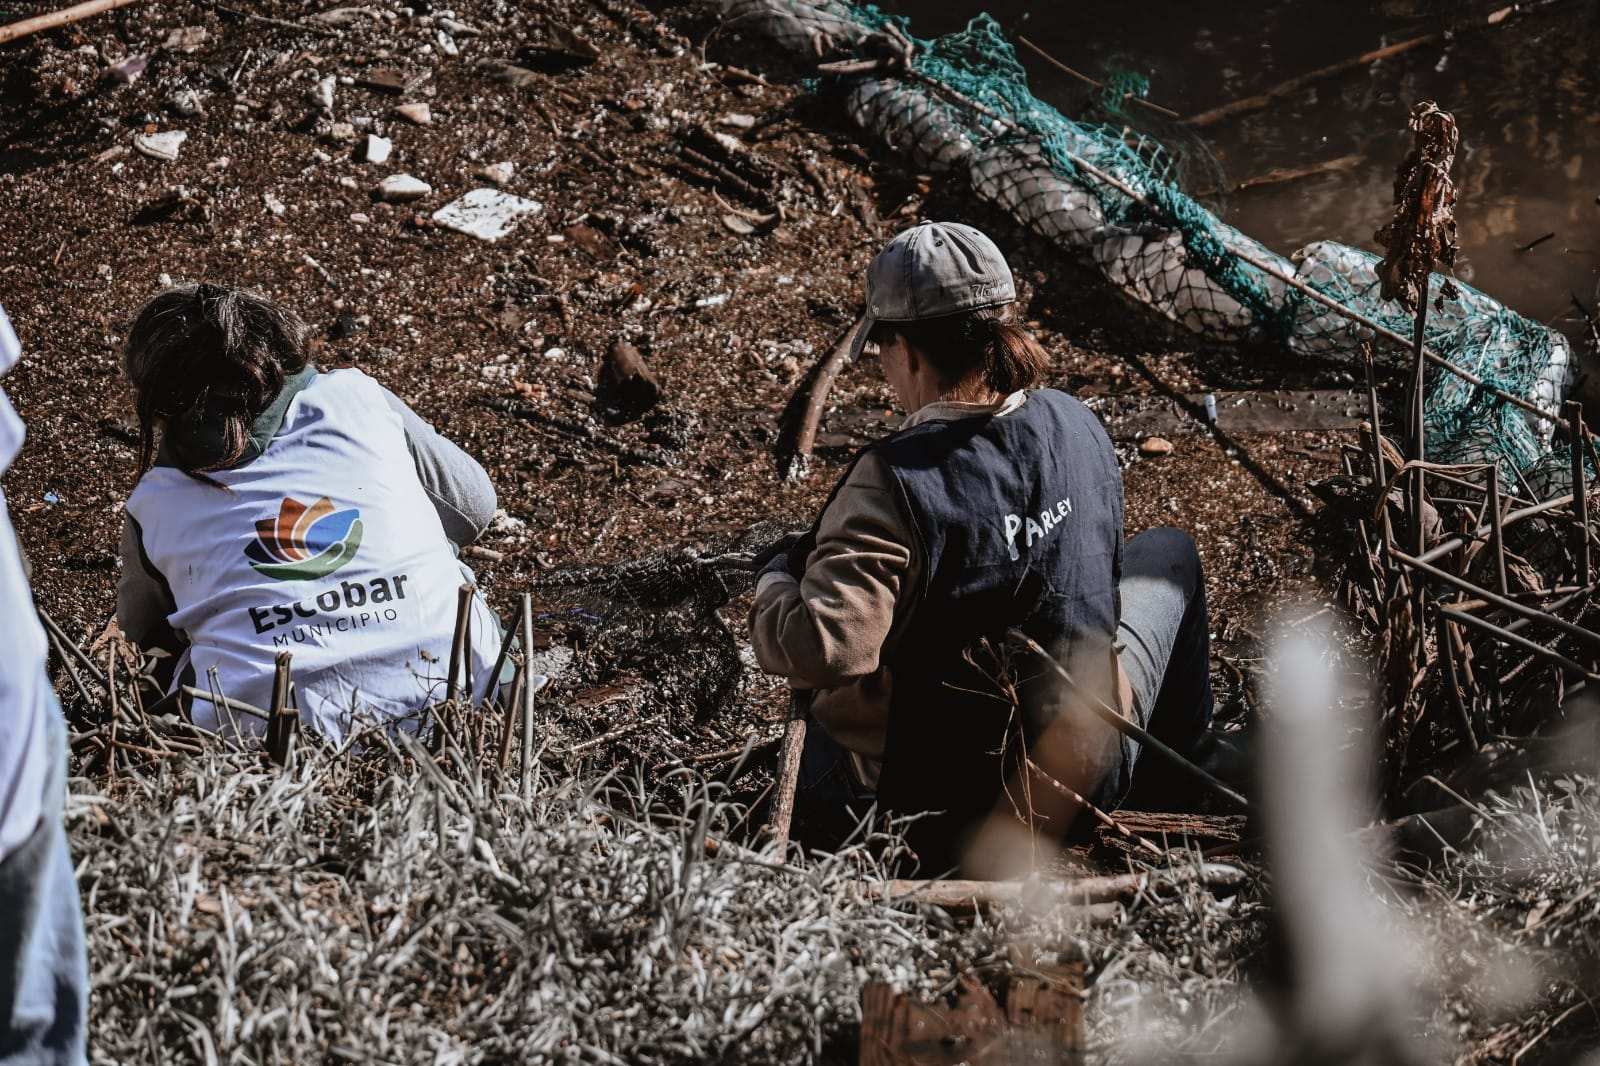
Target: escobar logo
x,y
304,543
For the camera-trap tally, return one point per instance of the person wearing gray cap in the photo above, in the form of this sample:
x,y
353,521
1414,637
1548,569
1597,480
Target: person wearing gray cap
x,y
997,505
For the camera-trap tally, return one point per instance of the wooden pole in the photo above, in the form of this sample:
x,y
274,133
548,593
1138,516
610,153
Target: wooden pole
x,y
75,13
1533,614
782,816
528,693
817,399
458,644
280,719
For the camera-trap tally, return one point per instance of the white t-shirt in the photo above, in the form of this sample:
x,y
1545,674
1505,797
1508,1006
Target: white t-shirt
x,y
24,684
325,546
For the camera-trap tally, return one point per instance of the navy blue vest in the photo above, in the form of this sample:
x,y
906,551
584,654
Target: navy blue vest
x,y
1019,521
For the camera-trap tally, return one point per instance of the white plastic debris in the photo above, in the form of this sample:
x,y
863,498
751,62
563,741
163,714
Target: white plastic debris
x,y
487,214
447,44
400,188
376,149
163,146
275,205
322,95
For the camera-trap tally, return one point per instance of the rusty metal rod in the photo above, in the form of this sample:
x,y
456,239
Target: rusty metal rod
x,y
1445,547
1538,650
1533,614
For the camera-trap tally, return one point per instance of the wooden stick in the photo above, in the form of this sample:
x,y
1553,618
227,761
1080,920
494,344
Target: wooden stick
x,y
506,640
968,896
782,816
817,400
513,703
1063,68
1295,84
267,20
1283,175
627,729
281,721
1095,812
75,13
458,643
1129,729
526,614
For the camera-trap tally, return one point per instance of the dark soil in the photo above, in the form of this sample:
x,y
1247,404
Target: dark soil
x,y
498,344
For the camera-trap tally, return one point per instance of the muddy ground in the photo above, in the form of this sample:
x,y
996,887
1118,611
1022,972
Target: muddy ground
x,y
498,343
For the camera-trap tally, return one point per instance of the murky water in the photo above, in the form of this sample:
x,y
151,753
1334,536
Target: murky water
x,y
1525,93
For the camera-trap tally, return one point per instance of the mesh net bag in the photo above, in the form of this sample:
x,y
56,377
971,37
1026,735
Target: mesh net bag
x,y
907,121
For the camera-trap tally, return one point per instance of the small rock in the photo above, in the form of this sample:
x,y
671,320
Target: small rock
x,y
188,103
274,204
418,114
128,71
163,146
376,149
341,132
360,218
714,300
1155,446
401,188
625,384
487,214
458,29
447,44
739,121
383,80
186,38
499,173
343,16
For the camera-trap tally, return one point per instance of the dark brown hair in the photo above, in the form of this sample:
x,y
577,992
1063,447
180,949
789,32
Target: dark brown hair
x,y
208,353
972,346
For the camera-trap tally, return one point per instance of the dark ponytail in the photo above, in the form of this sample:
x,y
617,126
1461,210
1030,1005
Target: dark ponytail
x,y
213,356
972,347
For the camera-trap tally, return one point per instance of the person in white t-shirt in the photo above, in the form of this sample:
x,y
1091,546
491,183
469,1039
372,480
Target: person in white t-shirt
x,y
44,981
280,508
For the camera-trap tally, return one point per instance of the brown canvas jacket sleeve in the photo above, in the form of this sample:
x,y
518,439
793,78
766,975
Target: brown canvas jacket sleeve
x,y
827,630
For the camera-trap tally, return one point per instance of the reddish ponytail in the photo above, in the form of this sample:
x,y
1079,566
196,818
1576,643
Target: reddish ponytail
x,y
971,347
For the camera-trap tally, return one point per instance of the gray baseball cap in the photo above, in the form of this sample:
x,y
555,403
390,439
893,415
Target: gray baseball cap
x,y
931,270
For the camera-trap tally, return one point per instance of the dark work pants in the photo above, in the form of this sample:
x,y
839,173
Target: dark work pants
x,y
1166,653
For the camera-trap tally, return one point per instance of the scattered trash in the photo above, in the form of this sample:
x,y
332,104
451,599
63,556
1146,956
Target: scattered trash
x,y
739,121
418,114
499,173
1155,446
446,44
487,214
401,188
275,205
625,383
163,146
128,70
341,133
1211,408
716,300
376,149
51,497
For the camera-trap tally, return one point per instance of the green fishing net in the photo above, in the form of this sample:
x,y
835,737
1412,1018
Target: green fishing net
x,y
1110,194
